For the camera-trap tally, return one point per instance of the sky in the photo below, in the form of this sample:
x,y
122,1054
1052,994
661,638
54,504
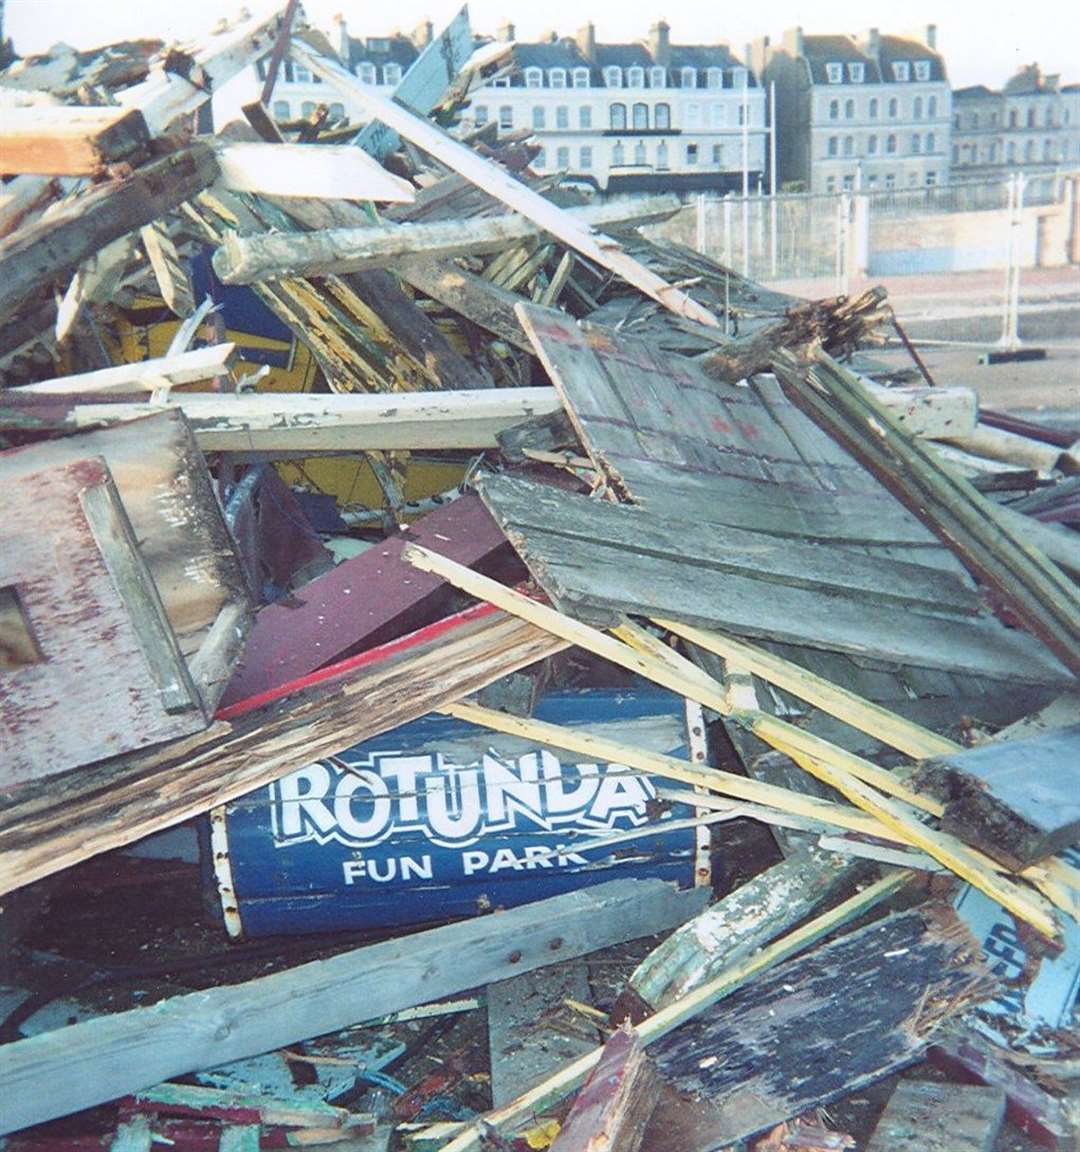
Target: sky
x,y
983,41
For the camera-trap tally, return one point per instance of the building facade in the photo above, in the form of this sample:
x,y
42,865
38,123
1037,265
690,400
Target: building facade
x,y
871,112
377,61
1032,125
649,116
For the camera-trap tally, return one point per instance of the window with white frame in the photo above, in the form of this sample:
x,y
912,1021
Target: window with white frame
x,y
833,146
282,111
890,179
301,74
337,111
657,78
718,155
849,182
480,115
834,73
916,108
534,77
714,78
894,108
585,157
391,74
693,115
635,77
557,78
562,116
872,108
1010,152
890,144
538,116
871,146
916,143
584,116
640,117
662,116
922,70
901,71
618,117
581,77
366,72
719,114
849,109
856,72
931,107
506,116
662,155
931,179
501,82
849,145
830,184
834,109
740,78
613,76
562,157
691,153
688,77
618,155
307,108
639,153
931,142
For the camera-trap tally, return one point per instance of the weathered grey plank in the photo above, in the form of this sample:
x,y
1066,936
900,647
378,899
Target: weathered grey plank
x,y
923,1116
108,1056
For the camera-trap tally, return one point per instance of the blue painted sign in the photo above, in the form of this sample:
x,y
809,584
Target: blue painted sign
x,y
441,818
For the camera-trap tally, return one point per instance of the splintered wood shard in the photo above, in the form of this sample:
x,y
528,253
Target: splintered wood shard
x,y
814,1029
497,182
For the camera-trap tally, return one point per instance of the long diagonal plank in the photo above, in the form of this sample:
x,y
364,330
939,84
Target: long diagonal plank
x,y
499,183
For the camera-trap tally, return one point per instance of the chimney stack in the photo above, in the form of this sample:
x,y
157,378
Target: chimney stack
x,y
505,32
660,43
930,38
423,34
758,55
793,41
870,42
342,39
585,38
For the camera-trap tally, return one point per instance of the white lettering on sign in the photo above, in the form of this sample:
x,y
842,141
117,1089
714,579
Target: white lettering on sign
x,y
452,805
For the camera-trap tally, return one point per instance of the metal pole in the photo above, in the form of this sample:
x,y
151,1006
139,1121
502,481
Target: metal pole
x,y
746,175
1014,330
727,230
1003,342
701,223
772,180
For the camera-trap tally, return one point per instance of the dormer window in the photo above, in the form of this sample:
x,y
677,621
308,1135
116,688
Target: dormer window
x,y
635,77
714,78
922,69
581,77
301,74
688,77
501,82
557,78
392,74
901,71
657,78
613,77
378,44
534,77
740,78
856,72
834,73
366,72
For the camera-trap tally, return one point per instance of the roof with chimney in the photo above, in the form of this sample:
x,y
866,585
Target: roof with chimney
x,y
821,51
894,49
397,48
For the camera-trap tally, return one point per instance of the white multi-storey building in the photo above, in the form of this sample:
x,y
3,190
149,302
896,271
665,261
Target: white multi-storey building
x,y
867,112
636,117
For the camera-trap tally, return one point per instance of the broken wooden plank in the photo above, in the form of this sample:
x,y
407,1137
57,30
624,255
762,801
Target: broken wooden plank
x,y
52,247
328,172
240,1106
364,601
170,272
817,1028
105,806
1044,599
104,676
923,1116
109,1056
292,422
500,184
932,413
197,367
247,259
528,1033
615,1102
1016,800
70,140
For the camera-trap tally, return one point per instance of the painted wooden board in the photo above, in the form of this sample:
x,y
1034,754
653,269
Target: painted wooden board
x,y
103,679
924,1116
69,140
671,439
531,1031
497,182
364,601
76,816
599,561
813,1030
286,422
423,84
326,171
1018,800
108,1056
169,497
195,367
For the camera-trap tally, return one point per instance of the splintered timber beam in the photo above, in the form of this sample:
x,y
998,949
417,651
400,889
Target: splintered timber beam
x,y
497,182
659,1024
333,251
1040,594
270,422
69,140
188,368
665,667
874,720
99,1059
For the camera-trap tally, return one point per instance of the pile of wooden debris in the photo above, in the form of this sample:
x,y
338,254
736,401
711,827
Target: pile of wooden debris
x,y
682,712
